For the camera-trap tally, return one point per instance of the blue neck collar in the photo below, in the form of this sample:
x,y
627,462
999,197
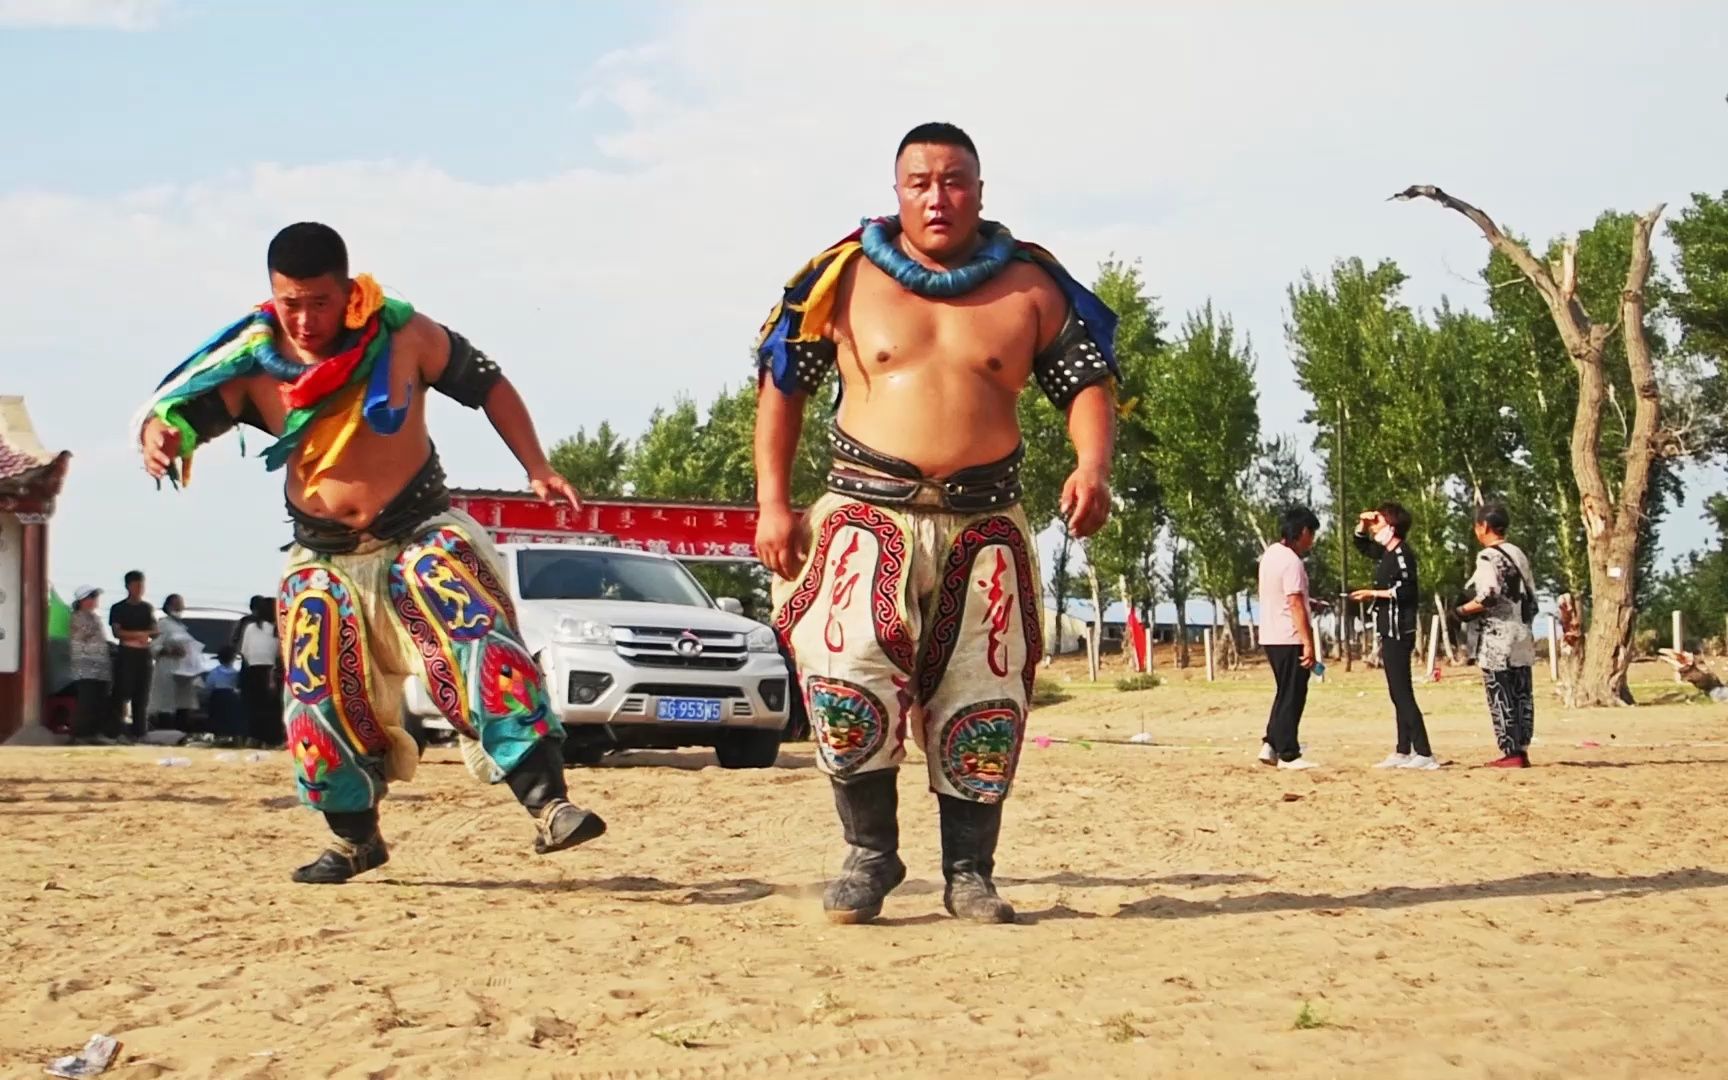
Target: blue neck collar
x,y
880,248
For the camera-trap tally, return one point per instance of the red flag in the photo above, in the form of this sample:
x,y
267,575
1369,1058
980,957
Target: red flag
x,y
1137,638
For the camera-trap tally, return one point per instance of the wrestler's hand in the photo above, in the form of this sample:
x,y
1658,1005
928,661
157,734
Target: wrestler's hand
x,y
780,541
1086,500
161,446
553,488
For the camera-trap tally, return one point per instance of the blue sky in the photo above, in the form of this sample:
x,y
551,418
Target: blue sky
x,y
607,196
487,97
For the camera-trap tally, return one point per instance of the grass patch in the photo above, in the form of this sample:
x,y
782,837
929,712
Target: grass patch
x,y
1049,692
1146,680
1308,1019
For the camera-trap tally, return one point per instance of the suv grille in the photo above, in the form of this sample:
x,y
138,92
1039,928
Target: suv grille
x,y
686,690
656,646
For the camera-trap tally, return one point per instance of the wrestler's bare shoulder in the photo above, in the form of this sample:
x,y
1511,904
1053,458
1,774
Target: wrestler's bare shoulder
x,y
426,343
1036,285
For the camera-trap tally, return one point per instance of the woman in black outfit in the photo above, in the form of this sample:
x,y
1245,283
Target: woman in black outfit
x,y
1396,604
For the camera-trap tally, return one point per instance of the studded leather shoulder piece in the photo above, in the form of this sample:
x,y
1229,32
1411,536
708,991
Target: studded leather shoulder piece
x,y
1070,363
808,364
470,374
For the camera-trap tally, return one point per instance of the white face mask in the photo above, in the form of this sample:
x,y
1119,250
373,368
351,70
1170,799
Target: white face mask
x,y
1383,535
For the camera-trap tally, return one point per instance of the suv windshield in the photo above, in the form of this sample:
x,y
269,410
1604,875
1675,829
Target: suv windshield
x,y
592,574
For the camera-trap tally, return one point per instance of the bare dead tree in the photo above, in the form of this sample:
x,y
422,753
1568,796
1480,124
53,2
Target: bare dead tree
x,y
1611,529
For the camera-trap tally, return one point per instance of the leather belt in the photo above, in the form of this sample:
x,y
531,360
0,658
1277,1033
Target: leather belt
x,y
886,480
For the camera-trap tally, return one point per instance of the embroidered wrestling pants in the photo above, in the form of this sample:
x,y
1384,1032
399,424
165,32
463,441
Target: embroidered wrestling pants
x,y
896,608
355,626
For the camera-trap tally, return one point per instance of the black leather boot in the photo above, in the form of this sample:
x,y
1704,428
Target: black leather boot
x,y
359,847
969,833
869,806
538,783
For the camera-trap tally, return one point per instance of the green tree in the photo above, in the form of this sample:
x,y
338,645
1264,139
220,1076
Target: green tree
x,y
1414,405
1125,551
1124,542
594,464
1695,385
1207,431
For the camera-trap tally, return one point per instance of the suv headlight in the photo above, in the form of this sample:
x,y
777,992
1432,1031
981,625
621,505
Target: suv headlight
x,y
762,639
574,631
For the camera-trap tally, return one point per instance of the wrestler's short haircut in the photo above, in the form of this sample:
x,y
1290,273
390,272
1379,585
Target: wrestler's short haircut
x,y
1495,517
937,134
1294,521
306,250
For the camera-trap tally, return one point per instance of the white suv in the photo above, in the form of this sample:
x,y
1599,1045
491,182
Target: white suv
x,y
636,654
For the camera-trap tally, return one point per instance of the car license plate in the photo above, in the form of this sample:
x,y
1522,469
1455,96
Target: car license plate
x,y
688,710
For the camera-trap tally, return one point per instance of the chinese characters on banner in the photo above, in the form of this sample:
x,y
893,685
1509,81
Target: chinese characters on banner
x,y
685,530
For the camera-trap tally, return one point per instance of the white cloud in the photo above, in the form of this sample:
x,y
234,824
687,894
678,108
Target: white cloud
x,y
1229,150
83,14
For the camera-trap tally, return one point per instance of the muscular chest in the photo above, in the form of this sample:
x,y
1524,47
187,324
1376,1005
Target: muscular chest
x,y
993,330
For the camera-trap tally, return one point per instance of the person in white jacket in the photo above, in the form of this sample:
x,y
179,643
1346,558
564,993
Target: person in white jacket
x,y
179,663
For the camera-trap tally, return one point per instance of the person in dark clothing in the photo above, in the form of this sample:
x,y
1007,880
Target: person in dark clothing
x,y
260,649
1396,600
133,621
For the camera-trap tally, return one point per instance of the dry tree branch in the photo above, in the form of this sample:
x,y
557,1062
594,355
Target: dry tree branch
x,y
1569,269
1570,318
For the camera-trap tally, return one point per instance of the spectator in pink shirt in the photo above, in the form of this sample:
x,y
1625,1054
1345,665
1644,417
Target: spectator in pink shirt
x,y
1287,634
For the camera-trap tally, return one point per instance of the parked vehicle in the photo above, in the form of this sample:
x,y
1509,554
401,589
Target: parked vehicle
x,y
637,655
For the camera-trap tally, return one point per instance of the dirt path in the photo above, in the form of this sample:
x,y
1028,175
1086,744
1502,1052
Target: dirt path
x,y
1187,912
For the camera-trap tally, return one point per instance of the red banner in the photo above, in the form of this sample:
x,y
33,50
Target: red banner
x,y
697,531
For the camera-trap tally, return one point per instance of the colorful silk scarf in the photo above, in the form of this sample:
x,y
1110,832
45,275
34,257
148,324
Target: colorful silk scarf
x,y
326,402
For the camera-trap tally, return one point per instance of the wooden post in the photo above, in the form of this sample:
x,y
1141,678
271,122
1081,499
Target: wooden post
x,y
1445,631
1679,638
1554,647
1127,607
1433,646
1211,671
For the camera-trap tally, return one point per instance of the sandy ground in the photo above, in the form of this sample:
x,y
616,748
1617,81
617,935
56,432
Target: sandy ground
x,y
1185,911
